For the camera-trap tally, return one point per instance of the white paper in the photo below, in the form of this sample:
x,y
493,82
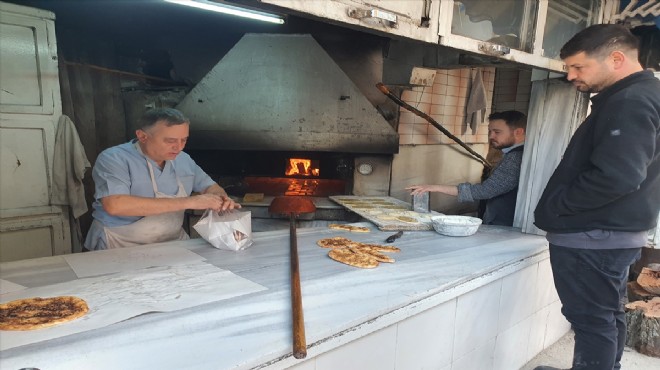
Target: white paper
x,y
8,287
118,297
127,259
220,228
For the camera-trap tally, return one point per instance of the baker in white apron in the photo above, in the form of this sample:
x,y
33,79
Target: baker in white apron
x,y
128,211
150,229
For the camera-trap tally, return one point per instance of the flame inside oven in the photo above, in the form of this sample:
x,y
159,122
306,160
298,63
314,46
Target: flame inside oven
x,y
302,167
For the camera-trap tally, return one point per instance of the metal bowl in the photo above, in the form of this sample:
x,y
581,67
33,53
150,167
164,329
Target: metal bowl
x,y
455,225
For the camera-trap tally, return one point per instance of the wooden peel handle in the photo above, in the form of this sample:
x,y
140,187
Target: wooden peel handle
x,y
299,343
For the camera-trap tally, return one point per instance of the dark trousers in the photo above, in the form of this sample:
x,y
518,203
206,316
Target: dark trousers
x,y
591,284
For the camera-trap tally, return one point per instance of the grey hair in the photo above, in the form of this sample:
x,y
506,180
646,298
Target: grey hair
x,y
170,116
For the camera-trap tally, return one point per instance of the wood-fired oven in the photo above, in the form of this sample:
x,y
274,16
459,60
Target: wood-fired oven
x,y
278,116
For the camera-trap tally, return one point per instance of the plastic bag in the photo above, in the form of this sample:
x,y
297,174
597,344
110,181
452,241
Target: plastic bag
x,y
231,230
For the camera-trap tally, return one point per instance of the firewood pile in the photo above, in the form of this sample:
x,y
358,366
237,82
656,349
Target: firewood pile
x,y
643,311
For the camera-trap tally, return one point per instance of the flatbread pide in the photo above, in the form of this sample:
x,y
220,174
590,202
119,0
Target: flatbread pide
x,y
38,313
352,257
335,242
355,229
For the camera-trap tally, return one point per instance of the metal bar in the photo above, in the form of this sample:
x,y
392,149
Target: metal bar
x,y
127,74
417,112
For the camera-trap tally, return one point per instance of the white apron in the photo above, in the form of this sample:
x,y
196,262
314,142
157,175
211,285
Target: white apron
x,y
150,229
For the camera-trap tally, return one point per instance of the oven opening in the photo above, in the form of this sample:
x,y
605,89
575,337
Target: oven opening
x,y
302,167
275,173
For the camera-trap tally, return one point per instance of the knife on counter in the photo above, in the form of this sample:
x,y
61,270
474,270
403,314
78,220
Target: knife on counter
x,y
394,237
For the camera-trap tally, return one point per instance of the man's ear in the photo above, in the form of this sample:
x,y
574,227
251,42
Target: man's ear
x,y
618,58
141,135
519,131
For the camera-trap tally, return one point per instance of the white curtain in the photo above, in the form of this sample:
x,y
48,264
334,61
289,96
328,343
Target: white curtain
x,y
556,109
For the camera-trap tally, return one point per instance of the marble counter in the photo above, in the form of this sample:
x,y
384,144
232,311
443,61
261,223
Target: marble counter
x,y
342,304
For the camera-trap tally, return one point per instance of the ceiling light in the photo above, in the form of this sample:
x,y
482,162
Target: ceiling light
x,y
230,9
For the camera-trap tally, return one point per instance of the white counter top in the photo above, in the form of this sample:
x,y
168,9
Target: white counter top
x,y
341,303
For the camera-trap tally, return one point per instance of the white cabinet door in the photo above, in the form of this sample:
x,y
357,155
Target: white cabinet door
x,y
28,62
30,107
24,166
37,232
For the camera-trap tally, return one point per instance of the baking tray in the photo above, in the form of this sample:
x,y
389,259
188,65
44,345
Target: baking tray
x,y
386,212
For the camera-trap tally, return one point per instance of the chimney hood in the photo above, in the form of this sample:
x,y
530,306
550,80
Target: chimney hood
x,y
285,93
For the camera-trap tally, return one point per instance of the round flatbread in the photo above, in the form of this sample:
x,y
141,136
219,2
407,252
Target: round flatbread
x,y
377,255
352,257
379,248
336,242
38,313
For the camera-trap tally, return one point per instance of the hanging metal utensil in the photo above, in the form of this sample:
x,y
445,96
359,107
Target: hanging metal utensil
x,y
294,206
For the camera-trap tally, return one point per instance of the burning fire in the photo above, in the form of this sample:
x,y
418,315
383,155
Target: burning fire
x,y
300,166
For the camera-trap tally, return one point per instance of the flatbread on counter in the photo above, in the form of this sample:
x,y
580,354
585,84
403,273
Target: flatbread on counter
x,y
352,257
379,248
335,242
38,313
380,257
363,255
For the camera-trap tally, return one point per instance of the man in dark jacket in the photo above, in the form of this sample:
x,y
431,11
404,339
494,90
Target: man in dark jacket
x,y
506,131
604,196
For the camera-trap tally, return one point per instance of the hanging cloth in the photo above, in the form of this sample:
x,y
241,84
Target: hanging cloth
x,y
477,104
69,166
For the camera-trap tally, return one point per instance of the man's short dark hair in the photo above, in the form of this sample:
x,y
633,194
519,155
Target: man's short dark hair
x,y
513,118
600,40
171,117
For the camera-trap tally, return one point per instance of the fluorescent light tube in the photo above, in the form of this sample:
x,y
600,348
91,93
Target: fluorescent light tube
x,y
230,9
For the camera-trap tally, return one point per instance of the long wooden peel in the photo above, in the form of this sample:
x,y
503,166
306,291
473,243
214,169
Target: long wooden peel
x,y
294,206
428,118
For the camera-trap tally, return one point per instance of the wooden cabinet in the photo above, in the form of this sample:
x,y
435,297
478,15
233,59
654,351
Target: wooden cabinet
x,y
30,107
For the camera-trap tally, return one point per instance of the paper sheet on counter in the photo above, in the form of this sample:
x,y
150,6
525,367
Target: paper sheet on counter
x,y
8,287
128,259
118,297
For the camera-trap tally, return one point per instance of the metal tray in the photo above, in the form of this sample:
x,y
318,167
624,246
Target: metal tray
x,y
384,212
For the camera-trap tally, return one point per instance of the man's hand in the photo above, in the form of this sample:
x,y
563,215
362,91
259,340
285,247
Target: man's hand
x,y
212,201
218,191
445,189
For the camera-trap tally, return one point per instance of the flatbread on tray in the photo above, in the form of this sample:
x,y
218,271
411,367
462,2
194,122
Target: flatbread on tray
x,y
355,229
38,313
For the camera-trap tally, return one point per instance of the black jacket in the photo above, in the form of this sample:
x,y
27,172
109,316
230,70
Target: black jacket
x,y
609,176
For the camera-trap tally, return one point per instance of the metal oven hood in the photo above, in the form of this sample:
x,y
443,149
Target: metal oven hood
x,y
283,92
